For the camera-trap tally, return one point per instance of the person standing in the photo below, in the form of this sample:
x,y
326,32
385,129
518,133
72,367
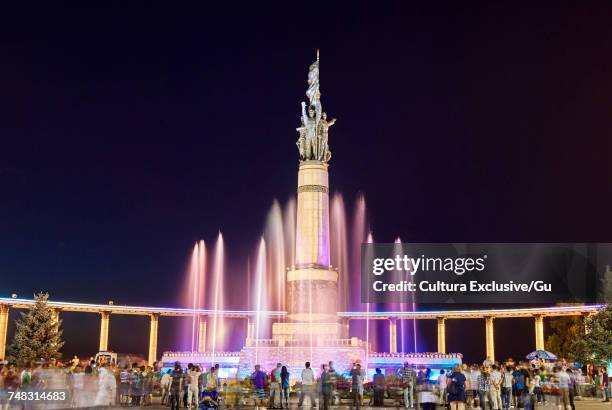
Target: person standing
x,y
442,385
275,386
356,386
192,389
426,395
605,384
333,378
406,374
107,385
495,380
379,388
473,384
259,383
308,381
325,389
483,389
456,389
572,387
284,386
518,387
136,381
176,386
211,380
564,382
165,386
506,388
537,382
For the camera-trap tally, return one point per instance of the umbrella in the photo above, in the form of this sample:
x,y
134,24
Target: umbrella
x,y
541,354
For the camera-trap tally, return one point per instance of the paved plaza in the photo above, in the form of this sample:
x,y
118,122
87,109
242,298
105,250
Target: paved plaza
x,y
588,404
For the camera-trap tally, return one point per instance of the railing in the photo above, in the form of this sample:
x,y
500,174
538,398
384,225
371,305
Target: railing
x,y
448,314
202,354
354,342
425,355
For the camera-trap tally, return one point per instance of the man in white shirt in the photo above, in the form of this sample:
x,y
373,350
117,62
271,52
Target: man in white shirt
x,y
473,385
192,390
564,382
507,387
308,381
495,380
165,385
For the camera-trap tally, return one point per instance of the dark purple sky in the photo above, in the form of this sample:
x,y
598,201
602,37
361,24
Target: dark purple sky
x,y
127,133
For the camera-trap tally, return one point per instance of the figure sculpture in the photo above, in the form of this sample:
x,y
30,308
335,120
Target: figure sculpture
x,y
313,140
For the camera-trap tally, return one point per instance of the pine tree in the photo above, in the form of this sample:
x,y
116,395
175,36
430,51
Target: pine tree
x,y
37,335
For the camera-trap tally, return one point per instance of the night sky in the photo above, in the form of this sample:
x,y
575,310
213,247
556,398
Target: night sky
x,y
128,133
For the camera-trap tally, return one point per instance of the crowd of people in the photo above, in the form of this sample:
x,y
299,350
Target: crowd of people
x,y
489,386
76,385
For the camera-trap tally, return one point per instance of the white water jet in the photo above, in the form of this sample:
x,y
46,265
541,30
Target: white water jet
x,y
218,325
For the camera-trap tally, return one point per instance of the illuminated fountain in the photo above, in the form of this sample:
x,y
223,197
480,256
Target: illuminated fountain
x,y
307,264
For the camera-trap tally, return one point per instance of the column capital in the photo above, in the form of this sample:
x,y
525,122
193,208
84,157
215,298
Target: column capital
x,y
4,308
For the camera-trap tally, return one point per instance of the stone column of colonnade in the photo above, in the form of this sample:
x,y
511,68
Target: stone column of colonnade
x,y
392,335
539,332
55,316
201,334
490,340
250,331
4,318
441,335
153,330
104,319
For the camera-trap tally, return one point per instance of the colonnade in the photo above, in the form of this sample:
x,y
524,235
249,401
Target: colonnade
x,y
489,334
154,314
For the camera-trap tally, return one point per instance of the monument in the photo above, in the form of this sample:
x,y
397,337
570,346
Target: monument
x,y
313,330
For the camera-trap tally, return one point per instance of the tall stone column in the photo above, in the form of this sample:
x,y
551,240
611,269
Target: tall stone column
x,y
104,319
312,229
392,335
312,286
490,340
4,319
441,335
345,322
55,316
539,332
250,331
201,334
153,329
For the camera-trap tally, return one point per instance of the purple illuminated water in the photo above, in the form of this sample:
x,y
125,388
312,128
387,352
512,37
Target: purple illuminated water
x,y
265,279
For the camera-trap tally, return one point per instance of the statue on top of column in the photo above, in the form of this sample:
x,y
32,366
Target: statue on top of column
x,y
313,141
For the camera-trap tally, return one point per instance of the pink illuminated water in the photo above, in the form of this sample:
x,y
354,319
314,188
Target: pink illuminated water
x,y
198,282
339,249
274,236
217,296
259,296
265,278
289,221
